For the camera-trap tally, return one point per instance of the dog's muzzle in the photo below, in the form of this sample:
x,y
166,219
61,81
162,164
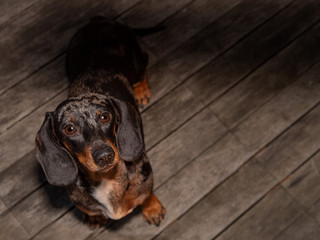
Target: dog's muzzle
x,y
102,154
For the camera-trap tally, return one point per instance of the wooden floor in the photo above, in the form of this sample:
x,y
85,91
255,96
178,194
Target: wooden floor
x,y
232,129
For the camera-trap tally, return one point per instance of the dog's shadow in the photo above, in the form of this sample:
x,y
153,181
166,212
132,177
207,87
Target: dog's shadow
x,y
56,196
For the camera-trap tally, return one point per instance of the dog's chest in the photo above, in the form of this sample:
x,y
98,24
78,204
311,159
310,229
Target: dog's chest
x,y
114,199
106,195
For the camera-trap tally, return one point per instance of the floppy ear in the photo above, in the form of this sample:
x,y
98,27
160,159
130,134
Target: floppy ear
x,y
129,136
57,163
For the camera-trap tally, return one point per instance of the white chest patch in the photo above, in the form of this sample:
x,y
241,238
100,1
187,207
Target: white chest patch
x,y
103,195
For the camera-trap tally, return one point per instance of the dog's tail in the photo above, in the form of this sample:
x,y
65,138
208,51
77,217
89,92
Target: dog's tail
x,y
137,31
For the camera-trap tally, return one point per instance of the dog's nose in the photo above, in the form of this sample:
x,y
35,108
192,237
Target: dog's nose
x,y
103,156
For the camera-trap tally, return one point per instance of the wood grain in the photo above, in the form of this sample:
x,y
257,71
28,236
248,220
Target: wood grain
x,y
216,38
304,227
283,155
267,219
48,27
150,13
11,228
223,205
46,203
187,23
304,183
222,74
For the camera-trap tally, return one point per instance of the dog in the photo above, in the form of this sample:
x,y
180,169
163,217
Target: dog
x,y
93,142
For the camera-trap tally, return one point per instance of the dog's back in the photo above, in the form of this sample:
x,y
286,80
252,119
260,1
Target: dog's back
x,y
102,52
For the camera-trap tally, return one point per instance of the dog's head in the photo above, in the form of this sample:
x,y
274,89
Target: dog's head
x,y
95,130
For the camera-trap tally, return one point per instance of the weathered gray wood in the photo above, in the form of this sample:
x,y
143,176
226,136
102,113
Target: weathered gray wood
x,y
161,81
220,35
152,58
223,205
304,183
19,140
220,75
168,113
41,208
285,153
19,101
182,146
278,114
265,220
187,187
303,228
186,23
68,227
43,32
3,207
9,9
314,211
18,180
268,80
11,228
150,13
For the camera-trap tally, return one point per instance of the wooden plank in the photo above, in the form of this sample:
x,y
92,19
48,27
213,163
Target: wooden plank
x,y
314,211
161,81
168,114
9,9
292,148
182,146
19,140
220,75
20,179
223,205
68,227
24,98
221,35
186,23
304,183
186,188
3,207
282,111
42,207
11,228
268,80
266,219
150,13
303,228
48,32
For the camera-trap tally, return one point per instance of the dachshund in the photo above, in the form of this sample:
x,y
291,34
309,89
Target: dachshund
x,y
93,142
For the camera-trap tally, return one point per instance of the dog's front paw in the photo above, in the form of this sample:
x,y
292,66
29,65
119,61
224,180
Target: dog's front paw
x,y
152,210
95,221
142,92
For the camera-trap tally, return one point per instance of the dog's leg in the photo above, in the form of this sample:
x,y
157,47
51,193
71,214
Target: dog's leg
x,y
94,219
142,92
152,210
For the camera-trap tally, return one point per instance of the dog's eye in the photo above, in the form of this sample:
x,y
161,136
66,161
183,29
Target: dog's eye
x,y
70,129
104,117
